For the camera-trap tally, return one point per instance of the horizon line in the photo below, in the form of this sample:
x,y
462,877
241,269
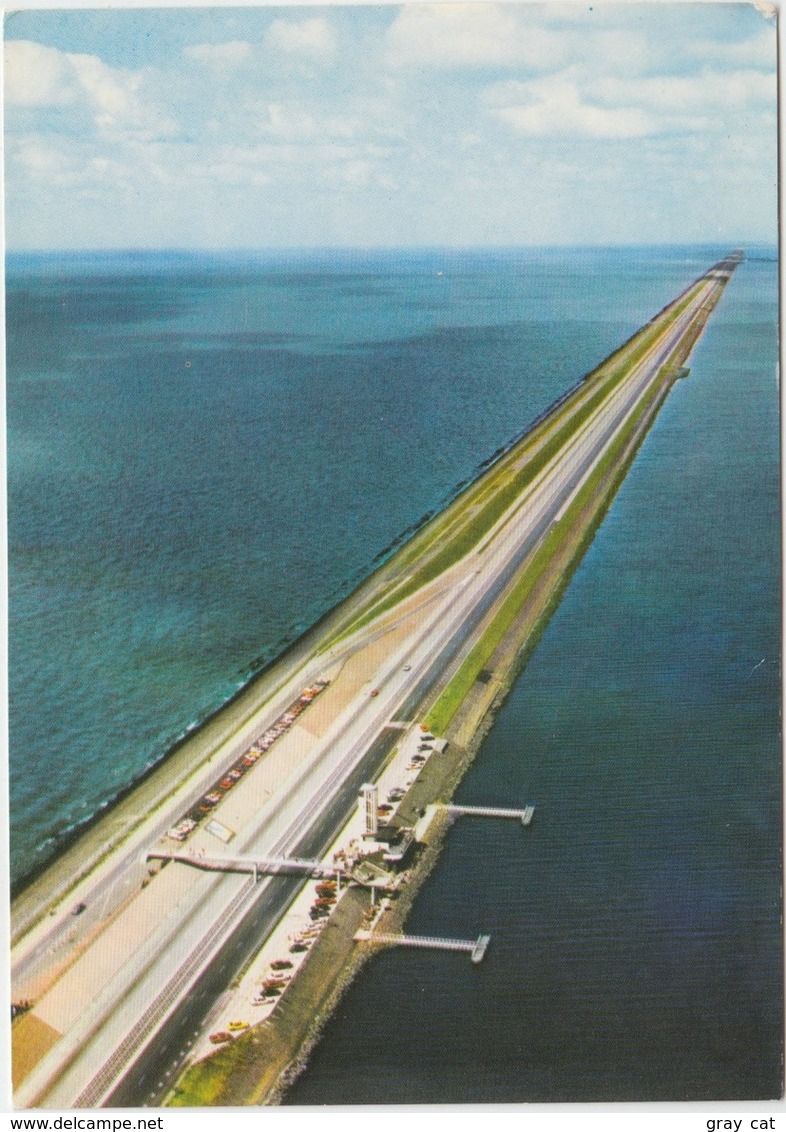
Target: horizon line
x,y
248,249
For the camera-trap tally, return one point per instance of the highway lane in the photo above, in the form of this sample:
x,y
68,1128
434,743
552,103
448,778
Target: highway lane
x,y
439,643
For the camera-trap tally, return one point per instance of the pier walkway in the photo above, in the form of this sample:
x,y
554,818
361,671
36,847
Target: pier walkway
x,y
524,816
476,948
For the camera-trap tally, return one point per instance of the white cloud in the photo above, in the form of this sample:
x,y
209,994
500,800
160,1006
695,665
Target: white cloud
x,y
312,39
554,107
42,77
454,35
41,160
295,122
36,75
712,93
113,93
220,55
570,104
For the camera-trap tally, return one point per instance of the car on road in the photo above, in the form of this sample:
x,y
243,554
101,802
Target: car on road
x,y
220,1036
375,692
407,668
232,1026
78,909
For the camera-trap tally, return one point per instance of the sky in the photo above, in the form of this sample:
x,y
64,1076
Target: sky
x,y
436,124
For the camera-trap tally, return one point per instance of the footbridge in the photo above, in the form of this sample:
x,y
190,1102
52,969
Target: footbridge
x,y
476,948
256,866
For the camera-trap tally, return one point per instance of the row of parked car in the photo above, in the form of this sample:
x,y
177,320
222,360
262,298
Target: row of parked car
x,y
280,971
183,828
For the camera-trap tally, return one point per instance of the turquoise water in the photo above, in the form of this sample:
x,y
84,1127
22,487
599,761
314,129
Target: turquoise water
x,y
205,453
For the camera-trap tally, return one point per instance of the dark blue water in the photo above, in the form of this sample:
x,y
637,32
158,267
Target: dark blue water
x,y
205,453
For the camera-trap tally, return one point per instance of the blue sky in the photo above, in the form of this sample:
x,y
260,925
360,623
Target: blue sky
x,y
417,124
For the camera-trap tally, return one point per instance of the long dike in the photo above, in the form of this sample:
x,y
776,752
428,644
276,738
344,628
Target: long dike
x,y
258,1068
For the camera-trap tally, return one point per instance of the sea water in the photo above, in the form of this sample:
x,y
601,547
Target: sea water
x,y
206,452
